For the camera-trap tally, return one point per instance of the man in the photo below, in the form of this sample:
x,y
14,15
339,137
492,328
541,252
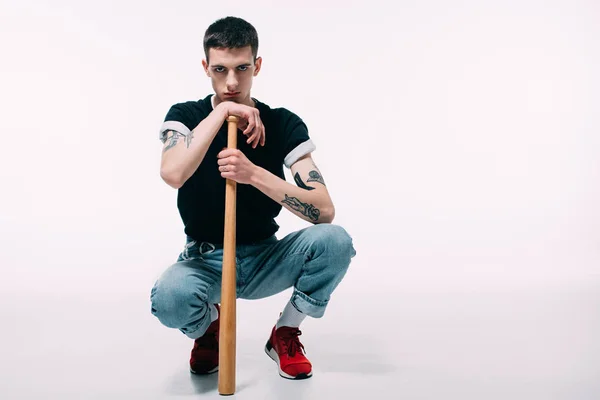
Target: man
x,y
194,160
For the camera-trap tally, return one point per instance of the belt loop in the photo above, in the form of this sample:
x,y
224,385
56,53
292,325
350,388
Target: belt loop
x,y
186,250
206,248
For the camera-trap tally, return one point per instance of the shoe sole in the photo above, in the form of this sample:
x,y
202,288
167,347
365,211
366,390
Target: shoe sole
x,y
275,357
212,371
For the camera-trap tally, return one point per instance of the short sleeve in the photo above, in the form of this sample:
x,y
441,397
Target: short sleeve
x,y
298,143
177,119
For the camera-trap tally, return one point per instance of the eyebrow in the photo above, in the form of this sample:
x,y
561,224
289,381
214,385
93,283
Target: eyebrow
x,y
222,66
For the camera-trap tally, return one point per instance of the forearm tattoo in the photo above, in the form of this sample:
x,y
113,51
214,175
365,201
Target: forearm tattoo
x,y
304,208
174,136
315,176
300,183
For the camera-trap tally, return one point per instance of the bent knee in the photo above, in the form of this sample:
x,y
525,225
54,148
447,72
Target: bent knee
x,y
173,304
334,238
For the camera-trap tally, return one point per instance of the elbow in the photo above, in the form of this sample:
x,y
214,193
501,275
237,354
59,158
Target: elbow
x,y
327,215
171,178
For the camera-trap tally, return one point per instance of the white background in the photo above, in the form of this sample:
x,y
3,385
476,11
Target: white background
x,y
459,140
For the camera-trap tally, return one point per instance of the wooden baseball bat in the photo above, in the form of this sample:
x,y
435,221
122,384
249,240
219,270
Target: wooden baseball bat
x,y
227,328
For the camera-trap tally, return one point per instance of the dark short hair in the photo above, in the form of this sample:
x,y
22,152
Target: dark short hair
x,y
230,33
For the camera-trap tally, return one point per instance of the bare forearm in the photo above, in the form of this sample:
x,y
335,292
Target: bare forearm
x,y
182,155
311,206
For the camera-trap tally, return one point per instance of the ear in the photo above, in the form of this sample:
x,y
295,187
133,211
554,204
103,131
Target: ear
x,y
257,65
205,65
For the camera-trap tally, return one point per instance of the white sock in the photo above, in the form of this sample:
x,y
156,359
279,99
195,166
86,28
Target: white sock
x,y
290,317
214,313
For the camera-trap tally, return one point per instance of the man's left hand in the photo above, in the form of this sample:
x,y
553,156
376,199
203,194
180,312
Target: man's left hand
x,y
234,165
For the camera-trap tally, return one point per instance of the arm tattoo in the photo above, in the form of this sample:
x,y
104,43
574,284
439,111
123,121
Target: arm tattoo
x,y
174,136
304,208
315,176
300,183
188,139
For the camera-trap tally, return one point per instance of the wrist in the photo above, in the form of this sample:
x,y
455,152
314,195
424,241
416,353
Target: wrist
x,y
223,109
257,176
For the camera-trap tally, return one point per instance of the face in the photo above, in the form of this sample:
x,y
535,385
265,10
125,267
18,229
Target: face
x,y
231,72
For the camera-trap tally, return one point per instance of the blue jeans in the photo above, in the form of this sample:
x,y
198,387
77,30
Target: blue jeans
x,y
313,260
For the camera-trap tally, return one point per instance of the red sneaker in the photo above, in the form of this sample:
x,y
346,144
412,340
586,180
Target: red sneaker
x,y
205,354
285,349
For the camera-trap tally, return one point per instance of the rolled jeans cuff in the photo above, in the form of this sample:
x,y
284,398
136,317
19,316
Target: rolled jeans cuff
x,y
198,332
307,305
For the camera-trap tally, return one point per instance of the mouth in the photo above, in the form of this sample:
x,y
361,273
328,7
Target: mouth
x,y
231,94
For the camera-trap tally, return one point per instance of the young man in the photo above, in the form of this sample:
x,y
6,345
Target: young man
x,y
194,160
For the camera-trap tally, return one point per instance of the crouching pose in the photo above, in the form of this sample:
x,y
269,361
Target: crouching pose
x,y
196,162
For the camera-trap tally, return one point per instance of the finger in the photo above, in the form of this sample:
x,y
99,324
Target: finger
x,y
225,161
231,160
226,152
256,135
262,134
253,136
227,168
261,137
251,125
228,175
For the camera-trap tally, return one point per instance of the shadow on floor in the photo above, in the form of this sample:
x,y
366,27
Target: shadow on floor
x,y
353,354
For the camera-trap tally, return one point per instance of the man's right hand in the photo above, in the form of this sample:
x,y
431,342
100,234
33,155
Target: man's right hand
x,y
249,121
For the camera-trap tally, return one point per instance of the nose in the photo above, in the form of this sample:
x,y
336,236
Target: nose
x,y
231,82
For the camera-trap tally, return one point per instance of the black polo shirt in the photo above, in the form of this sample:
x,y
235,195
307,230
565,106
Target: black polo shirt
x,y
201,200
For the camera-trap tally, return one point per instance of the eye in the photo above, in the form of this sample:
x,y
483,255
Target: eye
x,y
219,69
243,67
